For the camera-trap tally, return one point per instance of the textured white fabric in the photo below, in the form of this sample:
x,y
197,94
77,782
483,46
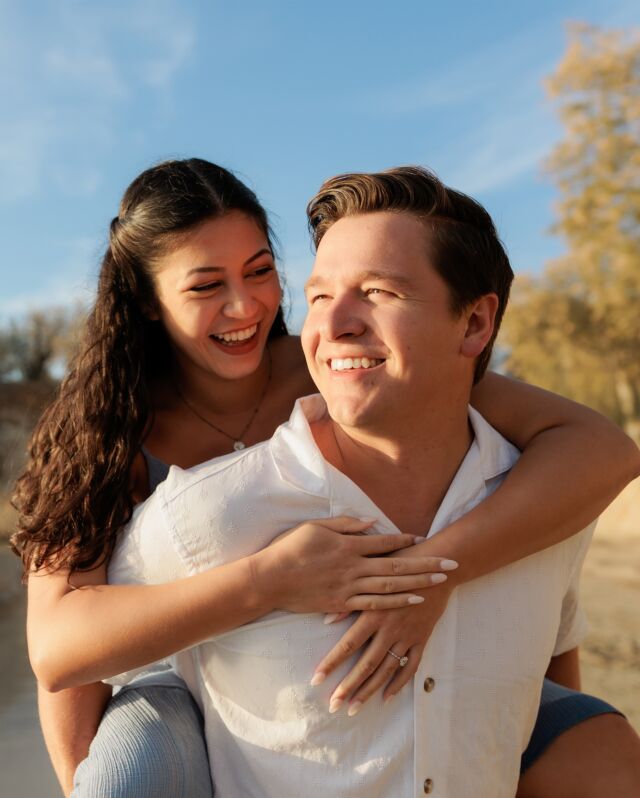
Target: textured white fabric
x,y
268,732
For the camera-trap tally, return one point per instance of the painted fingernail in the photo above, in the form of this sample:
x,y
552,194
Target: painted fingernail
x,y
318,678
415,600
354,708
335,704
437,578
330,617
448,565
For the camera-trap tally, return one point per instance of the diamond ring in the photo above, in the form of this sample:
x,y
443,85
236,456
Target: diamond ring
x,y
402,660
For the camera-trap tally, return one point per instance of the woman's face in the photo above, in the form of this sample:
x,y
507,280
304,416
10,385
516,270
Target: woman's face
x,y
218,294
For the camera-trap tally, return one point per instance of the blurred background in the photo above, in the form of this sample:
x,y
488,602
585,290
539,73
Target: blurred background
x,y
532,107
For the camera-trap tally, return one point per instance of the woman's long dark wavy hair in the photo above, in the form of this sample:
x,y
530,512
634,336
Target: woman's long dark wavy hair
x,y
74,494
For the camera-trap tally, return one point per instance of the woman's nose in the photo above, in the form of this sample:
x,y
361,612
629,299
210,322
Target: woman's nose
x,y
240,304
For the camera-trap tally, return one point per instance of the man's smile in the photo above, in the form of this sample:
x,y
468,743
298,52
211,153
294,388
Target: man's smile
x,y
351,363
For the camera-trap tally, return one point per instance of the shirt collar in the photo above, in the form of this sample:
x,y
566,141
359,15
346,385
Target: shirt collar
x,y
297,458
300,464
489,456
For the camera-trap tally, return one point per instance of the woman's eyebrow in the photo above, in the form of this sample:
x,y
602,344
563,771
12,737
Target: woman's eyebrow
x,y
199,269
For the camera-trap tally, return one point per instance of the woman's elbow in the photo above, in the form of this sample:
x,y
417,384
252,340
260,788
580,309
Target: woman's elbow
x,y
50,673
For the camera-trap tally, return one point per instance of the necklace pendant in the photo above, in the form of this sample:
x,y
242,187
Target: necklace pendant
x,y
238,446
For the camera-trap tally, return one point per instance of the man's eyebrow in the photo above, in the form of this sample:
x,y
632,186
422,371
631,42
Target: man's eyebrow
x,y
387,276
313,282
201,269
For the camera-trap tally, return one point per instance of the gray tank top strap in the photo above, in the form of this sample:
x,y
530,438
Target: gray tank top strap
x,y
158,469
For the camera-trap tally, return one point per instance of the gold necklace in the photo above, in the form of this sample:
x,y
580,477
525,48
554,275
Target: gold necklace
x,y
238,443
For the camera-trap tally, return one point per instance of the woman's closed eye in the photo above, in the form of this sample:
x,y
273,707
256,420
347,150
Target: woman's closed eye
x,y
206,286
261,271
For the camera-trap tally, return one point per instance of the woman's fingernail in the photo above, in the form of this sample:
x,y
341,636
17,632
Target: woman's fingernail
x,y
437,578
448,565
367,520
354,708
419,539
389,697
335,704
318,678
415,600
330,617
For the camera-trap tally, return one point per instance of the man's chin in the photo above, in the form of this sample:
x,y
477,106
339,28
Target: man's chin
x,y
351,415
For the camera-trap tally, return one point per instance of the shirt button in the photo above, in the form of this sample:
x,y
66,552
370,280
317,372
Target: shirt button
x,y
429,684
428,786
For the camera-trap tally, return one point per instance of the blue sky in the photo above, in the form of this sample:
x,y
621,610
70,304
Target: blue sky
x,y
285,94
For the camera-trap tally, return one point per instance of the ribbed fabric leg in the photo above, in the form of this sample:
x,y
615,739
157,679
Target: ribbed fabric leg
x,y
150,744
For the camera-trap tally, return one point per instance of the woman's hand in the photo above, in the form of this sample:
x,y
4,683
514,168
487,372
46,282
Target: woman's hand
x,y
404,631
328,565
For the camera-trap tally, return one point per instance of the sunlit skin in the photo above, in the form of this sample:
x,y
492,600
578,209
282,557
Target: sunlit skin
x,y
373,293
221,280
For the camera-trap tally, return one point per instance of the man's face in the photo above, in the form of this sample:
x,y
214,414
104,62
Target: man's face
x,y
381,342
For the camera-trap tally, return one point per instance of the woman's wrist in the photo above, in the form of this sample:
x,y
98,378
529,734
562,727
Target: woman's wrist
x,y
263,581
447,548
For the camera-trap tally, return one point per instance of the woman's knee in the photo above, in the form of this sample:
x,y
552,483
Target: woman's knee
x,y
150,744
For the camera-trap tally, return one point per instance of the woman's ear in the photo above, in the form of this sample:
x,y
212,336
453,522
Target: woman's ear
x,y
150,309
481,316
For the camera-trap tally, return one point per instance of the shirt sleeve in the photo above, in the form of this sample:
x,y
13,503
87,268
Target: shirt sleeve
x,y
145,552
145,555
573,623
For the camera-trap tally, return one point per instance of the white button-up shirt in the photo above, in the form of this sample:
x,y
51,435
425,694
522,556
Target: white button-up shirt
x,y
457,732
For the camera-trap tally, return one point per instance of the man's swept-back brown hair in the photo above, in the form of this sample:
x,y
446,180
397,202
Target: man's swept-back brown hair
x,y
461,241
75,492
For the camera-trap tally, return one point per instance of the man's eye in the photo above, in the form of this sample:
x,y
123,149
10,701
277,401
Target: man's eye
x,y
206,286
370,291
316,297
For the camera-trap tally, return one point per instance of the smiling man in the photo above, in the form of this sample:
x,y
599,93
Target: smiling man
x,y
405,298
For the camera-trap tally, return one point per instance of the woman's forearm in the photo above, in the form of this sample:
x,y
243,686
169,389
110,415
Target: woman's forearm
x,y
69,721
97,631
87,630
573,465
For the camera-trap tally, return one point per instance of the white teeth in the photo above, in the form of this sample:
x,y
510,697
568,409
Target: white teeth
x,y
237,335
342,364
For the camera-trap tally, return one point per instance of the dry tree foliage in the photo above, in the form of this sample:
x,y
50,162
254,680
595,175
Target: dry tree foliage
x,y
576,328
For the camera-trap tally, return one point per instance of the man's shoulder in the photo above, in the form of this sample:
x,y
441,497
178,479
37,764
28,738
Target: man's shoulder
x,y
221,471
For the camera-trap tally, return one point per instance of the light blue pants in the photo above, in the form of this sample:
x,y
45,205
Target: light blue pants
x,y
150,744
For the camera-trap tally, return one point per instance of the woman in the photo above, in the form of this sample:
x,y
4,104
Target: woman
x,y
187,352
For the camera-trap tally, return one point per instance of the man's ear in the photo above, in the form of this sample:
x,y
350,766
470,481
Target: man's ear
x,y
481,316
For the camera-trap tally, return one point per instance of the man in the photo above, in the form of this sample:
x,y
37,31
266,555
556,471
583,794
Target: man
x,y
405,299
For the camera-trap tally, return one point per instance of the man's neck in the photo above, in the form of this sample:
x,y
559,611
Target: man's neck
x,y
406,475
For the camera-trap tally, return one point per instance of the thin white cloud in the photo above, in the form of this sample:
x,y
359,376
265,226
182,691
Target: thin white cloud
x,y
500,87
507,145
71,284
67,80
479,76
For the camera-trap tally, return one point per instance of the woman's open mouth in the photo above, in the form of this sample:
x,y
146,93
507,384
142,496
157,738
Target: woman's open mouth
x,y
236,336
237,341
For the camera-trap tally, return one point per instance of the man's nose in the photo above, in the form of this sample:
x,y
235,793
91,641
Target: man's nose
x,y
343,320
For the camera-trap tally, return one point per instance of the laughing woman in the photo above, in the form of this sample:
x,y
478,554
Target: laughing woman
x,y
186,357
